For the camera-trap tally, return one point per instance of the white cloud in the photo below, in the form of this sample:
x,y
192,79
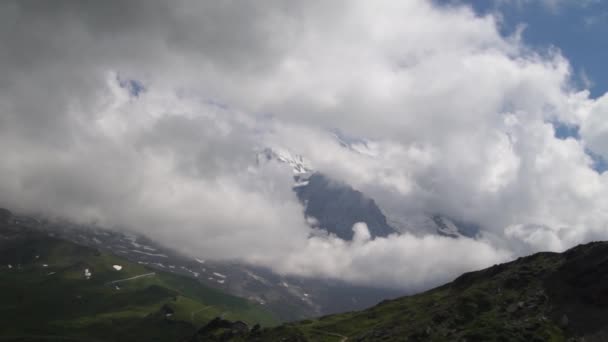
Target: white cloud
x,y
404,261
454,112
594,126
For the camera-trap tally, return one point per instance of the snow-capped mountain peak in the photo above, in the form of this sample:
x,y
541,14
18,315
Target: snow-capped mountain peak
x,y
300,166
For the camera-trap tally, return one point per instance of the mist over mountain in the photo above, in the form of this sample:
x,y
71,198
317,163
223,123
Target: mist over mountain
x,y
286,297
303,170
434,138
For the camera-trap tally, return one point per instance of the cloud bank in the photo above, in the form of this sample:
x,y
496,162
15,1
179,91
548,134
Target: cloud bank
x,y
457,119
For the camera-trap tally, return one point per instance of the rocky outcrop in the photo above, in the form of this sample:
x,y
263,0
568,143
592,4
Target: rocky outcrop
x,y
221,330
337,207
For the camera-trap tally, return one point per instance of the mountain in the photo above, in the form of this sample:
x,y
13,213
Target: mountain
x,y
418,223
337,207
287,297
543,297
299,165
334,205
55,290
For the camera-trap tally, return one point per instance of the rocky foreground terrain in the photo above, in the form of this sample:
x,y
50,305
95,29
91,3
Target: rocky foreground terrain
x,y
543,297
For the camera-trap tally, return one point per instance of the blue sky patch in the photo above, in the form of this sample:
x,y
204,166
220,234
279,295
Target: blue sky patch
x,y
134,87
599,163
564,131
578,28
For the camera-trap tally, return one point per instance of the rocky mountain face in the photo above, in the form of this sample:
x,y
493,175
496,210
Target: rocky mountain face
x,y
334,205
543,297
337,207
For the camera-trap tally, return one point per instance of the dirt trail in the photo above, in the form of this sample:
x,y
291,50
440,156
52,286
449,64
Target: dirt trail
x,y
342,337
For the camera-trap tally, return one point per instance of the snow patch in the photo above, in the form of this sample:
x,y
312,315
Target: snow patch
x,y
135,244
191,271
258,278
300,184
299,166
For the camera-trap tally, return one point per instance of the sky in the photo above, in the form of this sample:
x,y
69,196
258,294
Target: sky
x,y
148,115
577,28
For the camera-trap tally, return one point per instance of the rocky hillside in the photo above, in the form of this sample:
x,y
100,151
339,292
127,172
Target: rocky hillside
x,y
543,297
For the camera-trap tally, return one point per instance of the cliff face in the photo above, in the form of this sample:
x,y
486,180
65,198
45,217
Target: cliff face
x,y
337,207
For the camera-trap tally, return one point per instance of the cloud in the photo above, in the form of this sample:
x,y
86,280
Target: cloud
x,y
595,128
456,120
552,5
405,261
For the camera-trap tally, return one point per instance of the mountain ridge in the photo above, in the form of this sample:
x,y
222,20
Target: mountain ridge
x,y
542,297
288,297
54,290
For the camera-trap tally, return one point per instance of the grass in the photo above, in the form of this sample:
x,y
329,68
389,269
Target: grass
x,y
46,295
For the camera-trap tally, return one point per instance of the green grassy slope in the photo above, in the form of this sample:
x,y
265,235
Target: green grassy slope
x,y
544,297
45,294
